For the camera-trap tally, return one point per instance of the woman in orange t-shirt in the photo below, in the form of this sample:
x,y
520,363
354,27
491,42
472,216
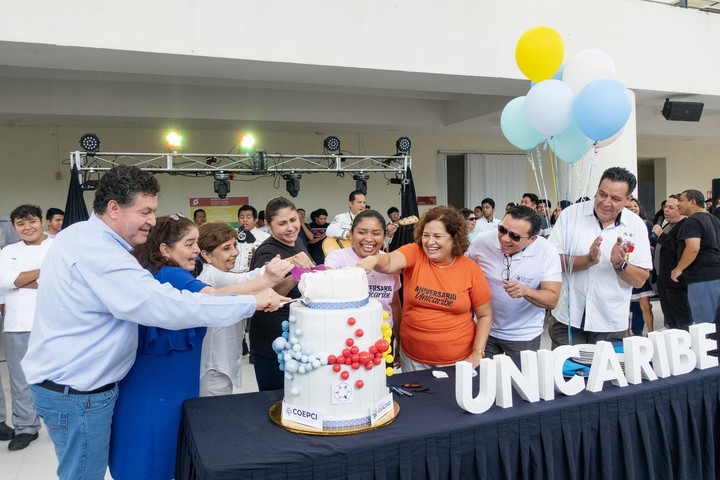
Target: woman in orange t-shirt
x,y
441,290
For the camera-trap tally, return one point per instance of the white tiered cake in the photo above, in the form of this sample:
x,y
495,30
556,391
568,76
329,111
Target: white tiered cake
x,y
333,353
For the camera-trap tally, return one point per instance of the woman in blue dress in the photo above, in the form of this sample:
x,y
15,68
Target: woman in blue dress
x,y
167,366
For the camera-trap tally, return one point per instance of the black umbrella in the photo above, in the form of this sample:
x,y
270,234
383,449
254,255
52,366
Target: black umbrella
x,y
409,207
75,209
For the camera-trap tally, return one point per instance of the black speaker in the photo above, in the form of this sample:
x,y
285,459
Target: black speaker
x,y
682,111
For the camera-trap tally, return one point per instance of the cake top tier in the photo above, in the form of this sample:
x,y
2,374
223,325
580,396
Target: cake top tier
x,y
334,286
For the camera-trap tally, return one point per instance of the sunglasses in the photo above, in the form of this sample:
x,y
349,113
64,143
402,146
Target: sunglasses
x,y
515,237
174,216
472,219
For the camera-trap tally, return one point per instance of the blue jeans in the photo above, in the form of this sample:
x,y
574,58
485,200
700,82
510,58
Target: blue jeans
x,y
704,300
79,427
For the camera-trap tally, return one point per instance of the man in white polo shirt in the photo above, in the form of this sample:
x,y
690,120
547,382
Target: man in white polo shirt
x,y
605,252
486,221
525,276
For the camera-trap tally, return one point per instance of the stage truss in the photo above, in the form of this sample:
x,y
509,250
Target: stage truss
x,y
259,163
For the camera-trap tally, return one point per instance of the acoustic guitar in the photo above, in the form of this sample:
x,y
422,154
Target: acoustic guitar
x,y
330,244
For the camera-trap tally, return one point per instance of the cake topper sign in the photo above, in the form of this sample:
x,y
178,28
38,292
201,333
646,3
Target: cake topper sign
x,y
662,354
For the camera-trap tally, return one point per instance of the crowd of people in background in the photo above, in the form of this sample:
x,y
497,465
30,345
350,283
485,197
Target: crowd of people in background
x,y
121,329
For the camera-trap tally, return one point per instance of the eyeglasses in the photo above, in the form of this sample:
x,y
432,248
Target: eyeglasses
x,y
515,237
505,274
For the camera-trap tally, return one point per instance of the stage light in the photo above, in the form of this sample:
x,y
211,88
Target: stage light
x,y
361,182
247,142
222,184
89,185
292,183
90,143
398,180
402,145
259,161
332,144
173,141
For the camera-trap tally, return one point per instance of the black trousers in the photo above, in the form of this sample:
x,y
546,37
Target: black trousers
x,y
675,306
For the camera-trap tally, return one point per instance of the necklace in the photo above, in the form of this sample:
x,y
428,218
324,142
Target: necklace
x,y
443,266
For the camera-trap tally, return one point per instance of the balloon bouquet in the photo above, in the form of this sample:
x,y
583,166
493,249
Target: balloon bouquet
x,y
572,107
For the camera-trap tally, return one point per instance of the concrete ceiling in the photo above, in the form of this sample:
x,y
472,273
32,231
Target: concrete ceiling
x,y
43,85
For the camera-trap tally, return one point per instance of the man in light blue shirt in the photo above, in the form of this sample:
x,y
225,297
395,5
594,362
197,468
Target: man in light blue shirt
x,y
92,294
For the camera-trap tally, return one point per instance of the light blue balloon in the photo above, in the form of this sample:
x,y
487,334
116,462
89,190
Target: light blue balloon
x,y
548,107
570,145
602,108
515,126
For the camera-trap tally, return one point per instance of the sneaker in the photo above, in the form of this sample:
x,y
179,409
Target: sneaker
x,y
22,440
6,433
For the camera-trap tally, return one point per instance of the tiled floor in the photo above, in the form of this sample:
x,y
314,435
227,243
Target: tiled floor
x,y
38,462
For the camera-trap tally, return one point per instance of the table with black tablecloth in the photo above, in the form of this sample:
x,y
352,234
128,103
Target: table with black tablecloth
x,y
669,428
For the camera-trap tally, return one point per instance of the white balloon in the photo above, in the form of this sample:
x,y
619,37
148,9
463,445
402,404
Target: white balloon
x,y
548,107
587,66
608,141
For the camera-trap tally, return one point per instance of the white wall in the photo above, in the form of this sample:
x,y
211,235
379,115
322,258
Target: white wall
x,y
687,165
648,42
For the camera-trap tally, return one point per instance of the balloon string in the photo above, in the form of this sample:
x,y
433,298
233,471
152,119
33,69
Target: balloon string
x,y
542,181
553,167
571,247
537,181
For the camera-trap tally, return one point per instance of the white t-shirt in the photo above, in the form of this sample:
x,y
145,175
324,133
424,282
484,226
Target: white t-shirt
x,y
482,225
242,262
20,302
340,226
222,346
516,319
382,285
598,291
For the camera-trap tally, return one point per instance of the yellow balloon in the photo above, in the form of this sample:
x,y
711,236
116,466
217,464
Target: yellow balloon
x,y
389,359
385,326
539,53
389,371
385,315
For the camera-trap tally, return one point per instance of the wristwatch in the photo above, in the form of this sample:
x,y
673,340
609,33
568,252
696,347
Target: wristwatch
x,y
622,267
